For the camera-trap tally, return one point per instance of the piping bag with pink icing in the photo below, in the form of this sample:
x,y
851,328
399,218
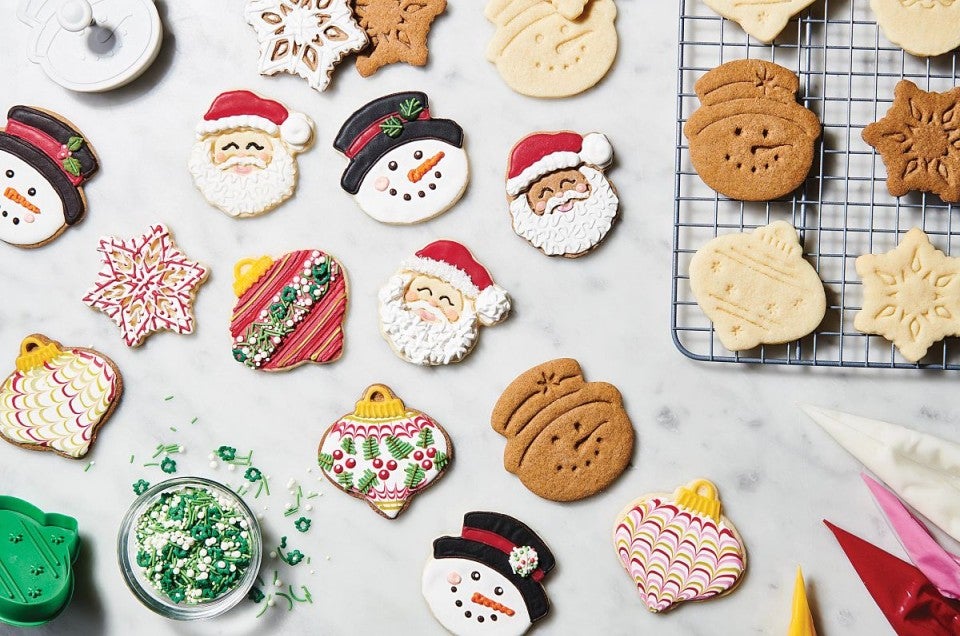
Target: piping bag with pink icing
x,y
679,547
922,469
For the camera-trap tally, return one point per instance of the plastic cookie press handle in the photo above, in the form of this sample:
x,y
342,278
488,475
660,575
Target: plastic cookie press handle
x,y
75,15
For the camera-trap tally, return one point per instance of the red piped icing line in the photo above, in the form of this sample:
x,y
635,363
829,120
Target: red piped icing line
x,y
47,144
373,130
497,542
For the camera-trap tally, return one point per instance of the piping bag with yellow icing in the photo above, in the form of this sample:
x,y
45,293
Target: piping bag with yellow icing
x,y
923,469
58,397
801,620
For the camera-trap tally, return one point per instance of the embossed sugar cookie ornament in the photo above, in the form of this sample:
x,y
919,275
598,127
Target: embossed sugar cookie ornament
x,y
37,552
58,397
92,45
289,311
552,48
750,139
384,452
757,288
922,27
763,19
679,547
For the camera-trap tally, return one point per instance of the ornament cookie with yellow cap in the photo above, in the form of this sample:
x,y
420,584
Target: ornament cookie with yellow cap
x,y
289,311
679,547
58,397
384,452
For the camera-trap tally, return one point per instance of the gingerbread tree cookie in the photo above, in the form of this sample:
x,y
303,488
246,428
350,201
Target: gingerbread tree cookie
x,y
397,30
911,295
918,139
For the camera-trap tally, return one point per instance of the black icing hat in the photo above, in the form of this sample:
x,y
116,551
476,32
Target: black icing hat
x,y
55,149
501,542
384,124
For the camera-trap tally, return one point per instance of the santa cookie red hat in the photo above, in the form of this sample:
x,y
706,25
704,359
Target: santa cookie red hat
x,y
243,109
542,153
452,262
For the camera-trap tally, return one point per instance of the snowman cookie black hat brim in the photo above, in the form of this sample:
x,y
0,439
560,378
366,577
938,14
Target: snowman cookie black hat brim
x,y
74,206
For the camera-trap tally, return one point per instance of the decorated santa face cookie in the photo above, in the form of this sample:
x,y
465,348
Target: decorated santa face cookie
x,y
44,162
384,452
289,311
244,160
304,37
58,397
489,579
561,201
432,309
405,166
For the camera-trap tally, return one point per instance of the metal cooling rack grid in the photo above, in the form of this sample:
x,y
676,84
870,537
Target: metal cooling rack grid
x,y
847,72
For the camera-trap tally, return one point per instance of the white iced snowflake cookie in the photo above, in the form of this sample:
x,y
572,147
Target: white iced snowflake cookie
x,y
304,37
476,584
405,165
244,160
561,201
432,309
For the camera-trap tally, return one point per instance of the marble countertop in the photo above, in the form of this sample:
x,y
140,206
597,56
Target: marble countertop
x,y
778,474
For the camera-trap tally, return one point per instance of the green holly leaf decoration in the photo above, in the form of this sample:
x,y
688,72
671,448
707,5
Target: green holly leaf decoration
x,y
72,166
348,446
74,143
425,437
441,460
325,460
345,479
410,108
371,449
398,448
367,481
392,127
415,475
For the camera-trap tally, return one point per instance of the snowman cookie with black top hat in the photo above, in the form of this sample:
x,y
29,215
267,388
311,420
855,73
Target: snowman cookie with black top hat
x,y
405,166
488,581
44,162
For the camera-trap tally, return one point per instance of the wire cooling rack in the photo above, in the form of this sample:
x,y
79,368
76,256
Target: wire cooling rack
x,y
847,71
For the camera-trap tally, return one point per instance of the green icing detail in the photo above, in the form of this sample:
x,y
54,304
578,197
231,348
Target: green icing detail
x,y
415,475
410,108
425,437
392,127
345,479
371,449
441,460
367,481
72,166
348,446
74,143
325,460
398,448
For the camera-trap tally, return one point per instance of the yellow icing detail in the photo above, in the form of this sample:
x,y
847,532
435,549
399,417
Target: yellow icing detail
x,y
699,496
801,620
248,271
35,350
379,402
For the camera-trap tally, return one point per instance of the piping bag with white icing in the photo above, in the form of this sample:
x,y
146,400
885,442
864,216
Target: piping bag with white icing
x,y
923,469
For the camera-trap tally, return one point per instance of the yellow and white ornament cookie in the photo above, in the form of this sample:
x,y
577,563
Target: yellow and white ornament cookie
x,y
58,397
757,288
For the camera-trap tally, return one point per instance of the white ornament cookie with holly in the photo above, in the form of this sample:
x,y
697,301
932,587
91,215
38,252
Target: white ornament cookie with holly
x,y
489,580
384,452
304,37
44,162
405,165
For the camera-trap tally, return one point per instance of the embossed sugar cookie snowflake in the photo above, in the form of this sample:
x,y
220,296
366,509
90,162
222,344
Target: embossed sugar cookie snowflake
x,y
919,141
911,295
146,284
304,37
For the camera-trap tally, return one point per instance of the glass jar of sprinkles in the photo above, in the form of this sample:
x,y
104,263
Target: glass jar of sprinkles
x,y
189,548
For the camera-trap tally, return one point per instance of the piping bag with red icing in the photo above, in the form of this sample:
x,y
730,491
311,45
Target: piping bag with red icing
x,y
908,599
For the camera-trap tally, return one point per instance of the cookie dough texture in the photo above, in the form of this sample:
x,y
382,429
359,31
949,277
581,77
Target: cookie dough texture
x,y
921,27
567,438
757,288
763,19
750,139
552,48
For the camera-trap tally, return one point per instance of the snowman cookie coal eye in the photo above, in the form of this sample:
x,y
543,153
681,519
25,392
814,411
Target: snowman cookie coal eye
x,y
392,165
498,591
418,155
475,575
32,192
9,174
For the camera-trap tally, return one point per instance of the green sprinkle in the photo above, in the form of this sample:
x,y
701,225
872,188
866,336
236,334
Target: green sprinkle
x,y
302,524
151,464
289,600
194,420
173,428
265,606
168,398
88,466
131,459
140,487
168,465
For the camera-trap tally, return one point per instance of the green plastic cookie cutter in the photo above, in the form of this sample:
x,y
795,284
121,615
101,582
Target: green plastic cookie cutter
x,y
37,551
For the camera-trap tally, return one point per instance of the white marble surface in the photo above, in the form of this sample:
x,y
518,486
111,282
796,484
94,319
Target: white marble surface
x,y
778,474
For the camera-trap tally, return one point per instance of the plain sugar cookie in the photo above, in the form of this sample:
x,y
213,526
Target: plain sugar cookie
x,y
757,288
922,27
763,19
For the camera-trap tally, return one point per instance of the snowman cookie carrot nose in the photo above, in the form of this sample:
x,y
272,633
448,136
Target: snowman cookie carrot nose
x,y
417,173
19,199
480,599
